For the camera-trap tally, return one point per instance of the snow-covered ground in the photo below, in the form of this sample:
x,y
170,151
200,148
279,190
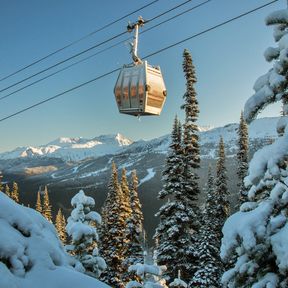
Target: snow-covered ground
x,y
150,174
31,255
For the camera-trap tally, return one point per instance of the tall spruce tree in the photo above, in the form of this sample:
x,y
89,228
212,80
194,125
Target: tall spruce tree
x,y
134,232
209,268
173,232
38,205
191,157
190,134
257,233
46,208
242,157
113,232
221,189
60,226
15,192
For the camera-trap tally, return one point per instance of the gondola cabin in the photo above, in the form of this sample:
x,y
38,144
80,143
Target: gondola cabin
x,y
140,90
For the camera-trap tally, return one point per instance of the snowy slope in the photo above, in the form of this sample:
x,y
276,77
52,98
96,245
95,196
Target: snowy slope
x,y
31,255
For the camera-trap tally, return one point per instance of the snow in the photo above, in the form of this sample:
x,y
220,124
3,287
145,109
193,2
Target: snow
x,y
73,149
267,158
149,281
77,226
141,269
270,54
178,283
150,175
277,17
270,280
247,226
81,198
110,145
35,256
258,101
279,246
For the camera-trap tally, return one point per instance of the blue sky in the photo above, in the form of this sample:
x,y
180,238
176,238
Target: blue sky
x,y
228,61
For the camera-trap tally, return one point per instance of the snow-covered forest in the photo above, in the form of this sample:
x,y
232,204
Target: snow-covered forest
x,y
210,243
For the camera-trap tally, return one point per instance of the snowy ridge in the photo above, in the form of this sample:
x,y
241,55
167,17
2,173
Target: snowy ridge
x,y
73,149
77,149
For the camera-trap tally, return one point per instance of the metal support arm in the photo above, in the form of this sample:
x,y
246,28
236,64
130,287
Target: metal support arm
x,y
134,45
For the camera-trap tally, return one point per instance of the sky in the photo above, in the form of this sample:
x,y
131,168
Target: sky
x,y
228,60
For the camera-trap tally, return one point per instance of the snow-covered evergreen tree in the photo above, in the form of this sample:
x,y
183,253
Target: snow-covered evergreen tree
x,y
46,208
190,133
15,192
221,189
173,232
81,227
191,151
60,226
134,233
113,232
38,205
242,157
150,276
258,233
209,268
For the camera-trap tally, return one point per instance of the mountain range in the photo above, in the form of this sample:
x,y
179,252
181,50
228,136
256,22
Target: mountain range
x,y
66,165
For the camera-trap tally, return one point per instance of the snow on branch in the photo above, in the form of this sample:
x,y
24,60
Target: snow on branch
x,y
277,17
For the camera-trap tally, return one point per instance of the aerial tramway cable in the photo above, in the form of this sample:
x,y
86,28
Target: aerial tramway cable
x,y
103,50
78,40
88,49
147,56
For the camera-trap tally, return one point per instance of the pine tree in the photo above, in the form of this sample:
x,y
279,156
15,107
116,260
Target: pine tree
x,y
64,227
15,192
173,232
7,190
221,189
191,157
113,232
60,226
134,250
46,208
257,233
209,268
38,205
81,227
242,157
190,133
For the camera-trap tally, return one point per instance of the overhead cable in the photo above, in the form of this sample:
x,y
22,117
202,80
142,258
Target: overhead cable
x,y
88,49
147,56
78,40
101,51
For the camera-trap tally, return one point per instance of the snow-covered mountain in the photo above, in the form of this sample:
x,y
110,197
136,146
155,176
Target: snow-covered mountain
x,y
73,149
77,149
